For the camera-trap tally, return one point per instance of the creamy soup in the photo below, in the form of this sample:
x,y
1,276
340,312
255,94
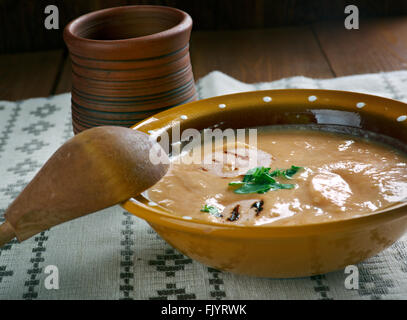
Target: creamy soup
x,y
318,176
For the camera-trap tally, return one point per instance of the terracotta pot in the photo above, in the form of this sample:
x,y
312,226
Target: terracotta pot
x,y
128,63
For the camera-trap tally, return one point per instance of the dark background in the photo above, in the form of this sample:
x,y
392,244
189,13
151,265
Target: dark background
x,y
22,21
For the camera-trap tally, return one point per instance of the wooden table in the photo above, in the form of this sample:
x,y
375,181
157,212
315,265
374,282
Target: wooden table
x,y
322,50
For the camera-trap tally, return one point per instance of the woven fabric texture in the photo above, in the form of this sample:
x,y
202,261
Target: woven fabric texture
x,y
114,255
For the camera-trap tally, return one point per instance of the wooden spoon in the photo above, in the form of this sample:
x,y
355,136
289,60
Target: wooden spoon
x,y
95,169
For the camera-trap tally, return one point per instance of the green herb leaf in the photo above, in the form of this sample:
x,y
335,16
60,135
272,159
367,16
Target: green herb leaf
x,y
282,186
261,180
253,188
212,210
292,171
236,183
277,173
258,175
288,174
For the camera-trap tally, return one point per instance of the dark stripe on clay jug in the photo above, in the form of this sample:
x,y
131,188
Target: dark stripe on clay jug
x,y
131,100
134,60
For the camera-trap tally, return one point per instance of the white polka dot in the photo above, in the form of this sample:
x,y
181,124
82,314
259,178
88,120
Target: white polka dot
x,y
402,118
152,204
360,105
312,98
267,99
187,217
184,117
222,105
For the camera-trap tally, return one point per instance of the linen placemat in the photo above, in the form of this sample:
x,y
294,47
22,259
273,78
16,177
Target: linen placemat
x,y
114,255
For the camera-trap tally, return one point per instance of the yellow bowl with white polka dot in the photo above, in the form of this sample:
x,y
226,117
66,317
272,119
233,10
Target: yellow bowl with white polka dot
x,y
281,251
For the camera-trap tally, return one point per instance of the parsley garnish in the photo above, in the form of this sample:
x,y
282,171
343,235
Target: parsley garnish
x,y
212,210
288,174
261,180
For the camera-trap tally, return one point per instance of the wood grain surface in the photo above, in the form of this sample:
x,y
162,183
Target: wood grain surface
x,y
379,45
27,75
22,21
259,55
320,50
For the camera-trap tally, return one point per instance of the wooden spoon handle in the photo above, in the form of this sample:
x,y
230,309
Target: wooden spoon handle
x,y
6,233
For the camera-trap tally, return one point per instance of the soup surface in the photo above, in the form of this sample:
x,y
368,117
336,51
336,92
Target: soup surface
x,y
336,176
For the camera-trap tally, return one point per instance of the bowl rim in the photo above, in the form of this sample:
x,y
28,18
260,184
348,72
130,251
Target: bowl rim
x,y
183,25
159,216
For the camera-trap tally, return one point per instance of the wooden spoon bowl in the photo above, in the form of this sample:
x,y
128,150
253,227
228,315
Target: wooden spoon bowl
x,y
95,169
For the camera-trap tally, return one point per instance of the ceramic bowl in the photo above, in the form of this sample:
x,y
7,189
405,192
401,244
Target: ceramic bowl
x,y
128,63
281,251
